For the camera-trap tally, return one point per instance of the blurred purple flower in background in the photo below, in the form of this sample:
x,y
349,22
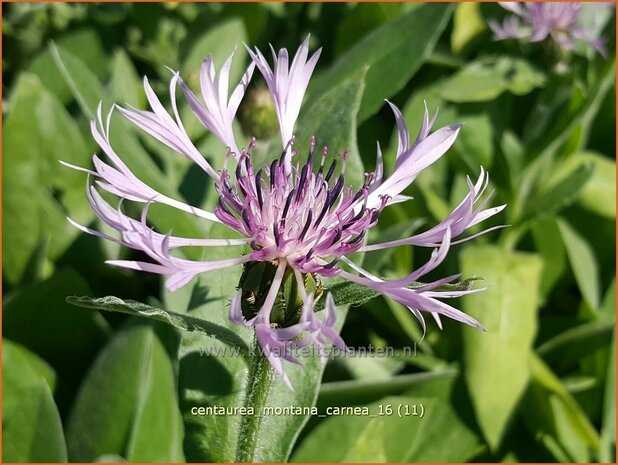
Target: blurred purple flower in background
x,y
558,21
296,215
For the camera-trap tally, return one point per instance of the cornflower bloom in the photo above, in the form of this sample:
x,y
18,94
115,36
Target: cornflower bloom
x,y
535,22
297,218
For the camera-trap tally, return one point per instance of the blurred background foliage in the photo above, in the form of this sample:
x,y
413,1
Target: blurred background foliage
x,y
539,386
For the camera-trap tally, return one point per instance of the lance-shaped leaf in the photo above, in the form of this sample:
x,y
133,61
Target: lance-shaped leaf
x,y
496,361
439,435
394,52
177,320
127,405
31,426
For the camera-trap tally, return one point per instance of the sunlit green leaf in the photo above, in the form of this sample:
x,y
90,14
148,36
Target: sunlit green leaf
x,y
437,436
567,348
394,52
39,318
127,404
608,431
359,392
31,426
177,320
544,232
562,193
219,42
485,80
552,414
583,263
39,132
332,120
598,195
126,87
82,82
496,361
84,44
468,23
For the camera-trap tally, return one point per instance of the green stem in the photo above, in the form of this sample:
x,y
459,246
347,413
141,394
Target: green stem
x,y
259,384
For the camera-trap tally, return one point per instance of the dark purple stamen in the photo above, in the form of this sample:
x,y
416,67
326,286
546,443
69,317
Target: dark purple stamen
x,y
258,188
303,177
310,156
357,239
273,175
331,170
245,218
287,204
325,208
334,193
306,227
360,214
223,207
276,234
336,237
331,264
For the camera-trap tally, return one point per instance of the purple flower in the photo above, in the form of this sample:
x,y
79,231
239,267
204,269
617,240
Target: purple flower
x,y
557,21
296,215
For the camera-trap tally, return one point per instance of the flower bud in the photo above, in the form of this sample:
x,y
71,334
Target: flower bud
x,y
255,283
257,115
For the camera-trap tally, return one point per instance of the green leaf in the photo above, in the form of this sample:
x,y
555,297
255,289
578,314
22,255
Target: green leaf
x,y
474,145
562,109
85,44
560,194
82,82
39,132
361,18
347,293
26,367
331,118
359,392
394,52
608,307
88,92
371,368
553,415
177,320
608,430
438,436
496,361
598,195
566,349
468,23
31,426
208,374
127,404
125,85
485,80
583,263
39,318
544,233
219,42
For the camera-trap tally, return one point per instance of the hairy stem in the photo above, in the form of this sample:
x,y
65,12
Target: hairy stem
x,y
259,383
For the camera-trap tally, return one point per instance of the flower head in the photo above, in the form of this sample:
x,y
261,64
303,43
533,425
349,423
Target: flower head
x,y
296,215
535,22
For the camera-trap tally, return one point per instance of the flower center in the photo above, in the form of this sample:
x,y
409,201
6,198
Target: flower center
x,y
294,212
